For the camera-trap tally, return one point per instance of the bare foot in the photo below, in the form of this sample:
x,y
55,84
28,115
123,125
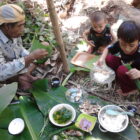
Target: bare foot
x,y
119,91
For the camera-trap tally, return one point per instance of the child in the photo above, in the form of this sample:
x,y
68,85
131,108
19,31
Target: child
x,y
128,48
99,35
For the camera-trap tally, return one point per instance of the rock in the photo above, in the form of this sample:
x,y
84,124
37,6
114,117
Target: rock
x,y
119,8
136,3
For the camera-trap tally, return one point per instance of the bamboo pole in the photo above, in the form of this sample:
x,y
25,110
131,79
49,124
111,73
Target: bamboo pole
x,y
58,36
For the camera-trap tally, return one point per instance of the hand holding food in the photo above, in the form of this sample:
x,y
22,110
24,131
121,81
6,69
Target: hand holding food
x,y
39,53
100,62
133,73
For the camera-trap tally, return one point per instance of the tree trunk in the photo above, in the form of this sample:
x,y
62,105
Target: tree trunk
x,y
56,29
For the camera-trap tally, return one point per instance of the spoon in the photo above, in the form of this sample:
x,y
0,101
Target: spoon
x,y
114,113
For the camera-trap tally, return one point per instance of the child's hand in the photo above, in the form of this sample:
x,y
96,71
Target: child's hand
x,y
90,49
133,73
100,62
91,43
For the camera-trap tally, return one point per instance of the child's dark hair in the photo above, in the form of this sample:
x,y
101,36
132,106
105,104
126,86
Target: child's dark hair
x,y
128,31
97,16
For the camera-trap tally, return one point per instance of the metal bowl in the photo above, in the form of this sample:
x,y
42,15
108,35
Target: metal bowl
x,y
113,123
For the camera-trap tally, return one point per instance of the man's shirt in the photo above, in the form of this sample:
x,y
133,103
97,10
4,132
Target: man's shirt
x,y
12,55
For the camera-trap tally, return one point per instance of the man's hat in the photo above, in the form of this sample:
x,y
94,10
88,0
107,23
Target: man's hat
x,y
11,13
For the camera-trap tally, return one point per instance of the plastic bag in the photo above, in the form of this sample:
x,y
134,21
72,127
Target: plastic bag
x,y
102,75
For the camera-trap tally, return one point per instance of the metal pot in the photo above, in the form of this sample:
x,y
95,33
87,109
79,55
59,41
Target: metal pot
x,y
112,123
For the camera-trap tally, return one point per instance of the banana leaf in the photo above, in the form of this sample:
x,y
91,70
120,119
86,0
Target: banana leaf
x,y
37,45
33,118
74,68
10,113
28,111
41,84
46,100
7,93
88,65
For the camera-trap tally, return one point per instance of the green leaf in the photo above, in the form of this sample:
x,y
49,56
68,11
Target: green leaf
x,y
74,68
89,64
37,45
137,82
32,117
41,84
7,93
46,100
10,113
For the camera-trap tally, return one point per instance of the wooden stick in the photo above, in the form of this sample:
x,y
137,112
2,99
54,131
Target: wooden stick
x,y
110,100
56,29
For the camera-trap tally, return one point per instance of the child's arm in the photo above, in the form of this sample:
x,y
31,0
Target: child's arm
x,y
85,36
102,58
114,38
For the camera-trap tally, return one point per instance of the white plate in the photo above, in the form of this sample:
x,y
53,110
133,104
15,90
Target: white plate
x,y
58,107
16,126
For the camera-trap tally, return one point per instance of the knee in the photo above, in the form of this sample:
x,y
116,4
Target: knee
x,y
108,59
121,71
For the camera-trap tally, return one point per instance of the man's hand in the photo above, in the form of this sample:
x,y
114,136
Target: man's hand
x,y
25,81
38,54
133,73
35,55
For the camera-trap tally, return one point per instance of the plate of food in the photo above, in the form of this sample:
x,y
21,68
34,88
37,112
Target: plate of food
x,y
62,115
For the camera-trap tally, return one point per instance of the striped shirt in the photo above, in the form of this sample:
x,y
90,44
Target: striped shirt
x,y
12,55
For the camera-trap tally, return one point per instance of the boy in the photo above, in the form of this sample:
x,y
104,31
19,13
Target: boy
x,y
99,35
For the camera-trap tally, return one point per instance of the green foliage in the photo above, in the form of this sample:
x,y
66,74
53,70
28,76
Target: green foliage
x,y
32,117
10,113
7,93
37,45
36,25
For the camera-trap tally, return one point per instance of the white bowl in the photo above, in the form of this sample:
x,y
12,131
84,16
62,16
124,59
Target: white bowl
x,y
58,107
113,123
16,126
